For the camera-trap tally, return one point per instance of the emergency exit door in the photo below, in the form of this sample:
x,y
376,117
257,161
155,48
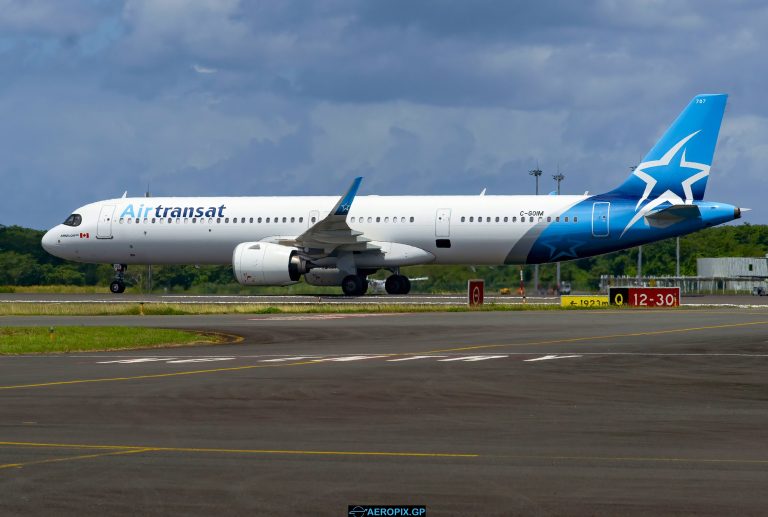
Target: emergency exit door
x,y
601,219
443,222
104,226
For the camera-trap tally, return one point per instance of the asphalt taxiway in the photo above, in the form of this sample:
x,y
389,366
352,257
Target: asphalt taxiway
x,y
537,412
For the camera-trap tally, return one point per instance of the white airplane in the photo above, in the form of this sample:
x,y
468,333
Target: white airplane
x,y
341,240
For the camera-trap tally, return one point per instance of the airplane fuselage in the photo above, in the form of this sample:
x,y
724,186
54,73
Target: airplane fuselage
x,y
489,230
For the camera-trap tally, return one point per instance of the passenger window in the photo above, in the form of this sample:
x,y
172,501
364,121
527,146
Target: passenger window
x,y
370,219
194,220
293,219
487,219
285,219
301,219
575,219
530,219
234,220
251,220
137,220
541,219
153,220
557,219
514,219
313,219
549,219
462,218
121,221
566,219
267,219
471,219
351,219
386,219
506,219
378,219
402,219
226,220
412,219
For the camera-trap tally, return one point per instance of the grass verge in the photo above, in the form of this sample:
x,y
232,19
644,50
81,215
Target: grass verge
x,y
165,309
38,340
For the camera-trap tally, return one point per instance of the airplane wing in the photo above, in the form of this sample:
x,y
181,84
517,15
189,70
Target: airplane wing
x,y
333,233
672,214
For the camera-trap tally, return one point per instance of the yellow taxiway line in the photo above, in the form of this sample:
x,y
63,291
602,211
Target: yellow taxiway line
x,y
320,361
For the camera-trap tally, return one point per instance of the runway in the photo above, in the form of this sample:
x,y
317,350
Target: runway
x,y
722,300
517,413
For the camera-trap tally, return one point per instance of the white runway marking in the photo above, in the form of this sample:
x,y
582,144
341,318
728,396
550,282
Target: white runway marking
x,y
415,357
139,360
473,358
352,358
283,359
550,357
201,360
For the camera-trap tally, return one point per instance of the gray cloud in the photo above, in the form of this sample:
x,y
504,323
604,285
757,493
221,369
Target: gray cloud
x,y
231,97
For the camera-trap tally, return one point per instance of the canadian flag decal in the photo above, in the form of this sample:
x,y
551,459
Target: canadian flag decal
x,y
85,235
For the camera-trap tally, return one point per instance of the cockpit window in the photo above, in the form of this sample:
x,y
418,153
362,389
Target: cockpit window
x,y
74,220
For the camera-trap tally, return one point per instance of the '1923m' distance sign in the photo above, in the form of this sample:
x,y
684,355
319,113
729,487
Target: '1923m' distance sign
x,y
475,292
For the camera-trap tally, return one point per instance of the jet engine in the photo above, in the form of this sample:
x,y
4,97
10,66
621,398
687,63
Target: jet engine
x,y
265,263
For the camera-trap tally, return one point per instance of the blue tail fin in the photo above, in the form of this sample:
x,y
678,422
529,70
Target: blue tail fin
x,y
677,167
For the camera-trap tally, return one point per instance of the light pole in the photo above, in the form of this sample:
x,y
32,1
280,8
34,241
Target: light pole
x,y
536,173
558,178
149,266
639,250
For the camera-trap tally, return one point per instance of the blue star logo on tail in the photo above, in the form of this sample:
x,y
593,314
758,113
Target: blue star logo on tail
x,y
662,180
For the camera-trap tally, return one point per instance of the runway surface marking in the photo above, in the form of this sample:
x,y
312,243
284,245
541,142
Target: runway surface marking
x,y
115,450
439,358
321,361
323,317
550,357
600,338
136,449
71,458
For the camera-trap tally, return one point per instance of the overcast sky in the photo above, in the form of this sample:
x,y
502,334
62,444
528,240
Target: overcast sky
x,y
234,97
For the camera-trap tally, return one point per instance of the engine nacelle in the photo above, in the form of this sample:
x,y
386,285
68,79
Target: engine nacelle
x,y
265,263
325,277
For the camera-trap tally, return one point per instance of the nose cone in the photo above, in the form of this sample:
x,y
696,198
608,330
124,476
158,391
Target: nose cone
x,y
49,242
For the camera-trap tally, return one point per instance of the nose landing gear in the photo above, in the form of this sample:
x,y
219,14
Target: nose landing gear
x,y
118,284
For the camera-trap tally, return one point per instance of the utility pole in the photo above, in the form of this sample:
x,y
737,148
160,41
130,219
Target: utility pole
x,y
639,250
677,260
558,178
149,266
536,173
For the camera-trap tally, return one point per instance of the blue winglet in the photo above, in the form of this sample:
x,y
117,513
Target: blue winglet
x,y
345,203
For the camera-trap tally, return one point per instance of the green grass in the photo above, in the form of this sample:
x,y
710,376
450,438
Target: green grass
x,y
165,309
38,340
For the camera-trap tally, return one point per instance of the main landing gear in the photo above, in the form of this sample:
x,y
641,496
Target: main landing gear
x,y
118,284
354,285
397,284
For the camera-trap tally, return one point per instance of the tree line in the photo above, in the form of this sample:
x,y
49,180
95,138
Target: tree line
x,y
23,262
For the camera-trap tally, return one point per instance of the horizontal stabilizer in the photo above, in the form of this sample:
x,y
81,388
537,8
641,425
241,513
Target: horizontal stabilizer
x,y
672,214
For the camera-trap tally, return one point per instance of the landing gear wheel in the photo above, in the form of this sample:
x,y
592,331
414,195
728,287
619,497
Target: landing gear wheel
x,y
354,285
118,285
397,284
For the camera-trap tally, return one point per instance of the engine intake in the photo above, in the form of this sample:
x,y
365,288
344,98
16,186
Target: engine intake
x,y
265,263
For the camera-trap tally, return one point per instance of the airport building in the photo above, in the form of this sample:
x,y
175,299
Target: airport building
x,y
727,275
